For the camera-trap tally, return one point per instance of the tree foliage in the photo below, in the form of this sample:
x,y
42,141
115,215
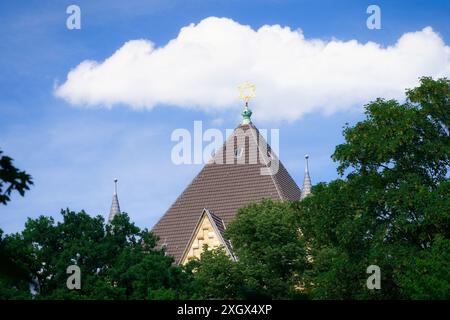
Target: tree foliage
x,y
393,207
12,272
215,276
12,179
117,261
271,256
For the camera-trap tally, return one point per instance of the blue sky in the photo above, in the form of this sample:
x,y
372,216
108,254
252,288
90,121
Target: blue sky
x,y
74,153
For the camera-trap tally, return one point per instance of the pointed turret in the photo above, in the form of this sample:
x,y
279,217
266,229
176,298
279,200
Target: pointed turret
x,y
306,181
115,208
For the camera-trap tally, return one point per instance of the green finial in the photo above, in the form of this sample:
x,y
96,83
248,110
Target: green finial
x,y
246,115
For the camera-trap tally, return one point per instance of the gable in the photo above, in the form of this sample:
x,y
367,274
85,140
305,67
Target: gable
x,y
209,231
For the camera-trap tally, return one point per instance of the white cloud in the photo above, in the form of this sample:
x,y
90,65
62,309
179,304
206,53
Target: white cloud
x,y
202,67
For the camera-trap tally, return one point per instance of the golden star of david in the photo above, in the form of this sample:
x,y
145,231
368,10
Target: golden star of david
x,y
247,91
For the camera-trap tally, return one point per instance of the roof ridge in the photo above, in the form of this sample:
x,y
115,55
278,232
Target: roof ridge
x,y
219,232
181,194
265,164
251,125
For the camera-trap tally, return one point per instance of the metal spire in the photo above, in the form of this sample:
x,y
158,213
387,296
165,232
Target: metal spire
x,y
115,208
306,181
246,115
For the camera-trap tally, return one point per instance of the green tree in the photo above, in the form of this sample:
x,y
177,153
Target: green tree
x,y
14,277
12,179
12,273
117,261
215,276
392,209
271,256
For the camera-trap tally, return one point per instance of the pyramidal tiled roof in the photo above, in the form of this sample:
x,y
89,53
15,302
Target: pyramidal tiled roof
x,y
223,187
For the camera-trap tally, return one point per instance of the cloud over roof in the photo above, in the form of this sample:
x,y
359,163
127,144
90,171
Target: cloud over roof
x,y
203,65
